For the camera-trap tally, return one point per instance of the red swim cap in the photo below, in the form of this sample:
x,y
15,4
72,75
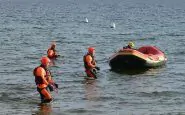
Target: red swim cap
x,y
45,60
91,49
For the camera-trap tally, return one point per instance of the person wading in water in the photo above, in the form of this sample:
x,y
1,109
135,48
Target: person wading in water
x,y
90,63
51,52
44,81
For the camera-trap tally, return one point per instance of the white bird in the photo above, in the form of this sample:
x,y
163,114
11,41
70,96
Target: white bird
x,y
86,20
113,25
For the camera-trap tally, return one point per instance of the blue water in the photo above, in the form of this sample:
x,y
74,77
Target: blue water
x,y
29,26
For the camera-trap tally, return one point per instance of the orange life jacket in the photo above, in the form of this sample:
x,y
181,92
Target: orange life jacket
x,y
38,79
86,63
51,53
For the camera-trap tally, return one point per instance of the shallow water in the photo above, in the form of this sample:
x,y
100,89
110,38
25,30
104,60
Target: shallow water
x,y
28,27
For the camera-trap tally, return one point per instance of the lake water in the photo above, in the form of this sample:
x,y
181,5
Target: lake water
x,y
28,27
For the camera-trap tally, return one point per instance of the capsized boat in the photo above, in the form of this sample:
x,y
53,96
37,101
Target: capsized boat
x,y
143,57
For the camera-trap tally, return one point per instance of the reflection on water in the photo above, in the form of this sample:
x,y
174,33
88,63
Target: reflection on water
x,y
43,109
52,62
135,71
91,90
155,71
131,71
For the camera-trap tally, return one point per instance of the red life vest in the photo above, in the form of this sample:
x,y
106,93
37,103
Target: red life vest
x,y
86,63
51,53
38,79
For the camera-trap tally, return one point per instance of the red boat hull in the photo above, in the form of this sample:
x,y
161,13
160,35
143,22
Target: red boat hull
x,y
146,56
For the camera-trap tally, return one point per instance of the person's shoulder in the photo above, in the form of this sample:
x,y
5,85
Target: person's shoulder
x,y
88,57
40,69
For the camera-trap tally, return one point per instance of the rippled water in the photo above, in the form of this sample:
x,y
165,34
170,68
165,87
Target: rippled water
x,y
28,27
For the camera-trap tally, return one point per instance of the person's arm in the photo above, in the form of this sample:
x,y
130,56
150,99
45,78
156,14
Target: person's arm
x,y
45,81
89,60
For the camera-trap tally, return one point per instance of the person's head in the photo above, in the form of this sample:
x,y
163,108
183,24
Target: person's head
x,y
53,45
45,61
131,44
91,50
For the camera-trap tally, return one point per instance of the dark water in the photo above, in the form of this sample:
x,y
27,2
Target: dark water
x,y
28,27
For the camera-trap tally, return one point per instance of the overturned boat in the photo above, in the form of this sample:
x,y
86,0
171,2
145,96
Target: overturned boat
x,y
144,57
